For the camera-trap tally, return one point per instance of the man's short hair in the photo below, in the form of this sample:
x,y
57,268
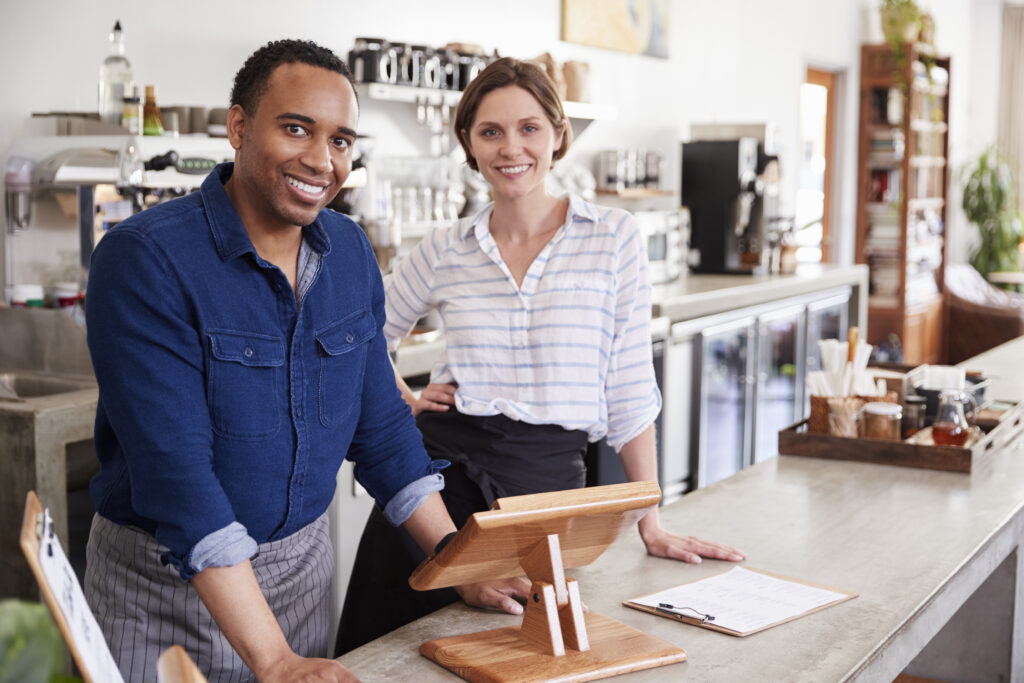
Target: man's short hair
x,y
252,79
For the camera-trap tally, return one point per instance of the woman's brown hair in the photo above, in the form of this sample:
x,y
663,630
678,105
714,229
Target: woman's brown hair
x,y
499,74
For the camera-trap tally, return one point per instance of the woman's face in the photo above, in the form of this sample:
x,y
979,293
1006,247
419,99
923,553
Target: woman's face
x,y
513,142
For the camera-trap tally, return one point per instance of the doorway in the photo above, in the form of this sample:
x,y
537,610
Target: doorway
x,y
815,166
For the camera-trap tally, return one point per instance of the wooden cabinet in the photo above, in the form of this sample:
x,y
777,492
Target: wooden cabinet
x,y
902,183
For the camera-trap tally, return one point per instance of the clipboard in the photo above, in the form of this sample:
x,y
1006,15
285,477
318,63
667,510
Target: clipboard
x,y
718,619
64,597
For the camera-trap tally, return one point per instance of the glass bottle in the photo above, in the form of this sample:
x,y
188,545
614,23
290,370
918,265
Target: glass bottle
x,y
152,123
131,113
115,78
950,427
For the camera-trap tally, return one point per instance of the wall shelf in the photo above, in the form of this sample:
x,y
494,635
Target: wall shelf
x,y
637,193
581,114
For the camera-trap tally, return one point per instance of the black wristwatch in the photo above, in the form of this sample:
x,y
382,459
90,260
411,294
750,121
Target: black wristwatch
x,y
443,542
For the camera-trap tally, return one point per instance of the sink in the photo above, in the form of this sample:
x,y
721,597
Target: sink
x,y
21,385
48,398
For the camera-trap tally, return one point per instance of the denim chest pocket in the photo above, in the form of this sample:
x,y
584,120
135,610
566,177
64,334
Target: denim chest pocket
x,y
343,347
246,384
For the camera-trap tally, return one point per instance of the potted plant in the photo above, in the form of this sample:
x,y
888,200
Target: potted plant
x,y
988,202
31,649
901,21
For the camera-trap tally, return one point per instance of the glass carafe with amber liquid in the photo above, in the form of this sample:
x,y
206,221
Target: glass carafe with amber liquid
x,y
950,427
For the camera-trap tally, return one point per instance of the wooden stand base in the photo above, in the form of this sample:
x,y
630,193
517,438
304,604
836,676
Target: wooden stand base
x,y
501,656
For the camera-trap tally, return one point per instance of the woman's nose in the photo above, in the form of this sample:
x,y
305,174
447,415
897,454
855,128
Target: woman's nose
x,y
512,145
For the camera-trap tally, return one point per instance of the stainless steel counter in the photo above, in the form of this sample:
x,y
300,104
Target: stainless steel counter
x,y
915,544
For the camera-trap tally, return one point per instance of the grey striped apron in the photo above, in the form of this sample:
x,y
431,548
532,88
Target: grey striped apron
x,y
144,607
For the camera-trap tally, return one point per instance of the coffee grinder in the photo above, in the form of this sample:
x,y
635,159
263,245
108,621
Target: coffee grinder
x,y
723,191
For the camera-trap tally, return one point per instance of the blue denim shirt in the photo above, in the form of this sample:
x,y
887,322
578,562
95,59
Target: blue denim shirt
x,y
225,407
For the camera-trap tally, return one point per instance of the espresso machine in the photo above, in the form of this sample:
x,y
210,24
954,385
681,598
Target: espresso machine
x,y
62,192
724,187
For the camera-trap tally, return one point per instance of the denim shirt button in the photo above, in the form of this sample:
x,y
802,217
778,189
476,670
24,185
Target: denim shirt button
x,y
248,352
349,337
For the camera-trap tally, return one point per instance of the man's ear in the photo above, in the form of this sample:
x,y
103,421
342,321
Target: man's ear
x,y
237,121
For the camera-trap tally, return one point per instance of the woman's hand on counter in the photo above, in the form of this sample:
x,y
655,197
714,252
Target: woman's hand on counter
x,y
663,543
499,594
435,397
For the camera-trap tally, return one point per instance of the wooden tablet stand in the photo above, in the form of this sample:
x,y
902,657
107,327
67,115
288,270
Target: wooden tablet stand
x,y
540,535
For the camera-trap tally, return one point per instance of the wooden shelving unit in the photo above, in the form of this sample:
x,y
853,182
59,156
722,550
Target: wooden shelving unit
x,y
902,184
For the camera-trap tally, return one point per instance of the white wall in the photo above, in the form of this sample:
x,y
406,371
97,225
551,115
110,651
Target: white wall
x,y
731,61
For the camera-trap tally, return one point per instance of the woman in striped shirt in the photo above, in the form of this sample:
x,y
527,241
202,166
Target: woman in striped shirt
x,y
546,303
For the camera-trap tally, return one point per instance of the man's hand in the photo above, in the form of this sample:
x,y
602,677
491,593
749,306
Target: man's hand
x,y
296,669
236,603
437,398
662,543
499,594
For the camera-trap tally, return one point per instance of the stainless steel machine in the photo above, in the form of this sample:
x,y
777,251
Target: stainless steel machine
x,y
62,193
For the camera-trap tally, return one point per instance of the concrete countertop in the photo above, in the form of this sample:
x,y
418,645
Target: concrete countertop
x,y
915,544
697,295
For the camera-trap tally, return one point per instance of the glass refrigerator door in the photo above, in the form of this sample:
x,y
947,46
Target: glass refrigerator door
x,y
826,319
678,410
779,377
725,400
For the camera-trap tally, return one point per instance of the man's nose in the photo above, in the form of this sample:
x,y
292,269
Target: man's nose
x,y
318,157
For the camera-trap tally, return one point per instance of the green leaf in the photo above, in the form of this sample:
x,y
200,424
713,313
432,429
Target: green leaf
x,y
31,649
988,196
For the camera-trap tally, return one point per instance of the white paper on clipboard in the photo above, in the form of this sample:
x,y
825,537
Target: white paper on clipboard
x,y
85,631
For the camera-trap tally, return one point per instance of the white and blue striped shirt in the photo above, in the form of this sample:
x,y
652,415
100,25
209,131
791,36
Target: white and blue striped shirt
x,y
571,347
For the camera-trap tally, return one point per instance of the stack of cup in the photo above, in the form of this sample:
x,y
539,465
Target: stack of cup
x,y
26,296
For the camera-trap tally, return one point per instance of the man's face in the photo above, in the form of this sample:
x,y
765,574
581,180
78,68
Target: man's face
x,y
295,151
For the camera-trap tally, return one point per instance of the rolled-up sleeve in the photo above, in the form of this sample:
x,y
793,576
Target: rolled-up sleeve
x,y
148,360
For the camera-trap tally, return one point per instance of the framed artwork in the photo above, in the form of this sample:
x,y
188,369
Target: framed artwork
x,y
637,26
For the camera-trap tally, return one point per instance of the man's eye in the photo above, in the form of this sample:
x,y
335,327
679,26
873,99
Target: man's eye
x,y
295,129
342,143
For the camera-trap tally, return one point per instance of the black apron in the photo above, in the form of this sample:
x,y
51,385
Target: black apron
x,y
492,457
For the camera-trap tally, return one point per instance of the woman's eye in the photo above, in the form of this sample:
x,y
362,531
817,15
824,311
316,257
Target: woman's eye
x,y
489,133
530,128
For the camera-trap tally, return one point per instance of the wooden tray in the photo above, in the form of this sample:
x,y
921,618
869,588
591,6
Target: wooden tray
x,y
796,440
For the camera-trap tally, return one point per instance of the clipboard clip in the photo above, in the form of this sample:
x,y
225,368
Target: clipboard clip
x,y
684,612
44,530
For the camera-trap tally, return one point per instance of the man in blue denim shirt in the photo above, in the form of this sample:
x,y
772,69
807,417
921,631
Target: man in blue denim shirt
x,y
236,338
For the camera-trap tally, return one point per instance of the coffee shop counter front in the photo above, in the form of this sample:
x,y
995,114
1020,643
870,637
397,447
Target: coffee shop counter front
x,y
697,296
933,556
